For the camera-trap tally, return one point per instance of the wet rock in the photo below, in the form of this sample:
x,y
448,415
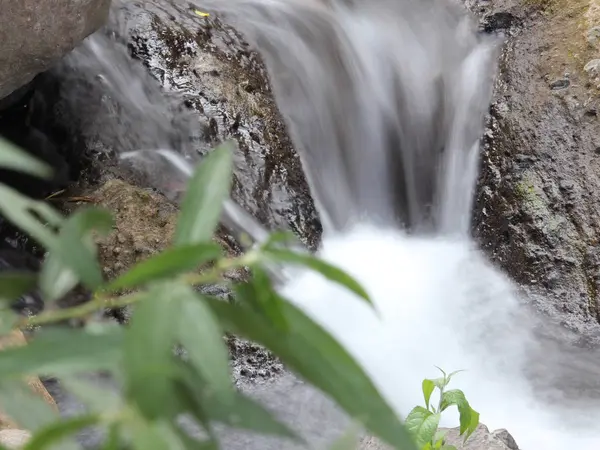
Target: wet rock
x,y
214,89
561,83
34,34
501,20
16,127
552,218
14,439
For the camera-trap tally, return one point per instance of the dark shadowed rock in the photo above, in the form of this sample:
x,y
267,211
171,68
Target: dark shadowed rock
x,y
35,33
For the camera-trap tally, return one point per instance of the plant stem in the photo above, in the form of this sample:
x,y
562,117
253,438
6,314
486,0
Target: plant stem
x,y
107,300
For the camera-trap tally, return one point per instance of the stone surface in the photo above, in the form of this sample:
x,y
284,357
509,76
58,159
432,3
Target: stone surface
x,y
481,439
14,439
35,33
538,212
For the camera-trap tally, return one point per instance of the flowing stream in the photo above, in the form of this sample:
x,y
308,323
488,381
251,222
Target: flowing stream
x,y
384,101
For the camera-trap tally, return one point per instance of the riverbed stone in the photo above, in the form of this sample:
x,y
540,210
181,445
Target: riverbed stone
x,y
36,33
14,439
481,439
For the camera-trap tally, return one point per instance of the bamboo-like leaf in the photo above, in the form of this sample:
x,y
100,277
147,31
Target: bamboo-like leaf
x,y
202,204
13,158
321,360
168,264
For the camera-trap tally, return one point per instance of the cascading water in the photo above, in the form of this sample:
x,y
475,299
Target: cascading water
x,y
385,100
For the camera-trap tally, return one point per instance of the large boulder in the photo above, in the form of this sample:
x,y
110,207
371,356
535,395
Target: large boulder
x,y
35,33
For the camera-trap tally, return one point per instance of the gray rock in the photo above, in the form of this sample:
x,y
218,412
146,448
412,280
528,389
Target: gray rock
x,y
593,67
35,33
482,439
593,36
561,83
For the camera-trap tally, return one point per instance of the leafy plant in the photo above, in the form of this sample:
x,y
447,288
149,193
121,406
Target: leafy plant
x,y
158,386
422,422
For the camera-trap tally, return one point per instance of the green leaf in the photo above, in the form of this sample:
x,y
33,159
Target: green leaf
x,y
440,383
449,376
15,284
57,432
259,294
473,424
428,386
149,342
28,215
157,436
168,264
330,272
240,412
457,397
8,320
348,440
202,204
99,401
113,438
439,438
62,351
200,334
13,158
311,352
56,280
448,447
280,237
423,425
75,248
25,408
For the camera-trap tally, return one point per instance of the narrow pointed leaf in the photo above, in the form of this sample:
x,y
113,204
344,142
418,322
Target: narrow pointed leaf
x,y
202,337
75,248
149,342
57,432
96,399
63,351
327,270
157,436
348,440
259,294
428,386
113,439
18,160
19,210
202,204
28,410
311,352
56,279
168,264
473,424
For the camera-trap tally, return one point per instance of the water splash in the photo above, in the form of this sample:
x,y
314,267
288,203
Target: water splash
x,y
385,112
384,100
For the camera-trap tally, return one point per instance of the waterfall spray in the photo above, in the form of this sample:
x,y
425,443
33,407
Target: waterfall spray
x,y
384,101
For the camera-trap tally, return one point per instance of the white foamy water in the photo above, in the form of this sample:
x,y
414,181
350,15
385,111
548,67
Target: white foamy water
x,y
384,101
440,303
